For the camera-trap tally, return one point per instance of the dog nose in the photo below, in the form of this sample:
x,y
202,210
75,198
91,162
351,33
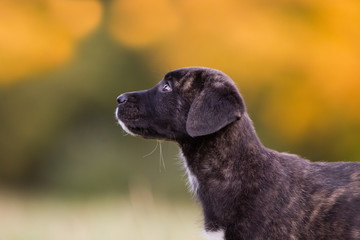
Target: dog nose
x,y
122,99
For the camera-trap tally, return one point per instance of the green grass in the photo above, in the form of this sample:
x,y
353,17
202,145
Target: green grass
x,y
136,217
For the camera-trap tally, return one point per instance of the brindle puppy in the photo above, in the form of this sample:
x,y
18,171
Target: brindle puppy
x,y
246,190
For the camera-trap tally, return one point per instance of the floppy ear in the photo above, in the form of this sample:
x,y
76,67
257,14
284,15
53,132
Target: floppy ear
x,y
212,110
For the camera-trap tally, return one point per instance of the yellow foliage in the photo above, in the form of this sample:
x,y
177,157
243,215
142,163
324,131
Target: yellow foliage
x,y
78,17
142,22
39,35
256,42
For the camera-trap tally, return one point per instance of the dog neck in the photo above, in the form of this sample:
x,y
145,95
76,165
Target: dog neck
x,y
245,158
239,136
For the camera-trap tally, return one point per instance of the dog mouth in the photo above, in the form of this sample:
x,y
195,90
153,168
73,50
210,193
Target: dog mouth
x,y
131,124
134,126
125,122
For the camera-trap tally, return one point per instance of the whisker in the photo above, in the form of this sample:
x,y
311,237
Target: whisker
x,y
157,144
162,162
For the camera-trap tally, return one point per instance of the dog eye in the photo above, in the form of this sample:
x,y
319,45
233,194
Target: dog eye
x,y
166,88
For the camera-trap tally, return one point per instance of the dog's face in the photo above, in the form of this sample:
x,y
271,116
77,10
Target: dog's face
x,y
187,102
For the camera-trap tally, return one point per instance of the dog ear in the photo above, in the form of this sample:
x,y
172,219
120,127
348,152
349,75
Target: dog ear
x,y
213,109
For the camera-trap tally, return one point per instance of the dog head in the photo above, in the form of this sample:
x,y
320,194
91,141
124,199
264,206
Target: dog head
x,y
187,102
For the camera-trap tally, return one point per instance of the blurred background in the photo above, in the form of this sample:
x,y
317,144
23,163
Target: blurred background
x,y
67,171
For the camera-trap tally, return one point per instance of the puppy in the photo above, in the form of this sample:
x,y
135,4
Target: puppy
x,y
246,190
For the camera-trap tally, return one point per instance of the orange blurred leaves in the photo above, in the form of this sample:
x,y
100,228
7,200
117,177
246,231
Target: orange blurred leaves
x,y
38,35
255,42
140,23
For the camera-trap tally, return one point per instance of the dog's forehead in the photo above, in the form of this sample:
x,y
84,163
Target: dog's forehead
x,y
175,74
191,81
192,77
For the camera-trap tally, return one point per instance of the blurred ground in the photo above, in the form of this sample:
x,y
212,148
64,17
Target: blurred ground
x,y
111,218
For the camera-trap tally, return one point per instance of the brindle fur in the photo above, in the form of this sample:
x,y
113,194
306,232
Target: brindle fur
x,y
245,189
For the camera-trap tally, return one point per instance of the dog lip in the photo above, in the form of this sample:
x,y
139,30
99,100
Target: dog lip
x,y
120,114
127,119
